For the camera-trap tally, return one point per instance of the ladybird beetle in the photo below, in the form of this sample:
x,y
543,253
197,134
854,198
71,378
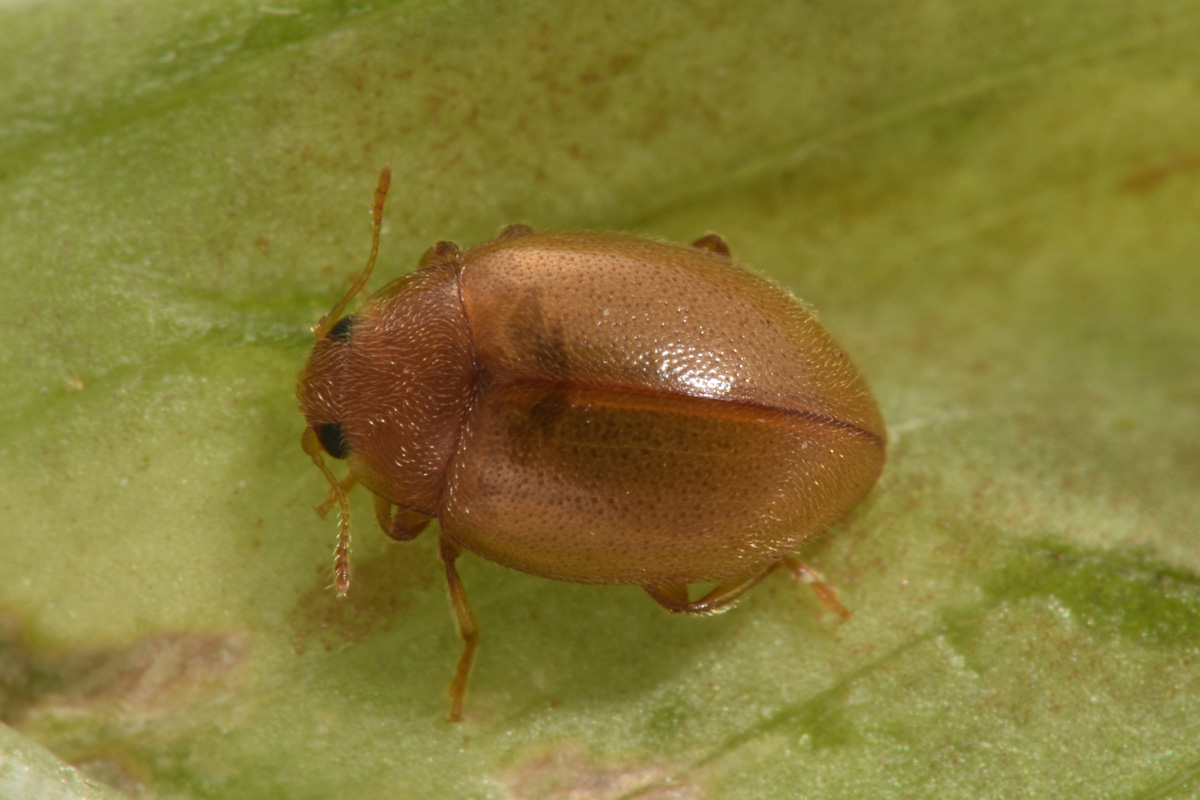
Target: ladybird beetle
x,y
590,407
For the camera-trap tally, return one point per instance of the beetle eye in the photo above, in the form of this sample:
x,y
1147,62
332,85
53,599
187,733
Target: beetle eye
x,y
330,437
340,331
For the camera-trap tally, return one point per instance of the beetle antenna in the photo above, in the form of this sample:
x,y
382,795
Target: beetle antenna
x,y
381,192
341,552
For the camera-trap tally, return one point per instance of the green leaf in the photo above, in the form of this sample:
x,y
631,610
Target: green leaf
x,y
994,206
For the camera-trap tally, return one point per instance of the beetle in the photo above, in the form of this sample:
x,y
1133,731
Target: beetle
x,y
590,407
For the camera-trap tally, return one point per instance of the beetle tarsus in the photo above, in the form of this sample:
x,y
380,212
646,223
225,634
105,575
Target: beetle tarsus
x,y
816,581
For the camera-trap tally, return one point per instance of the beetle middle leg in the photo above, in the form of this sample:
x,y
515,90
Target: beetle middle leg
x,y
468,629
401,524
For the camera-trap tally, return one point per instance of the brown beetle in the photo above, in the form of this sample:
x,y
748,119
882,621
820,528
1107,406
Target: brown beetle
x,y
595,408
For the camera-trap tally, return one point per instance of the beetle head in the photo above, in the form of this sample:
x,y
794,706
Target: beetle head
x,y
320,388
387,388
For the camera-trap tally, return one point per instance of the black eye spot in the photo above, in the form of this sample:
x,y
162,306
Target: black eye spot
x,y
340,331
331,439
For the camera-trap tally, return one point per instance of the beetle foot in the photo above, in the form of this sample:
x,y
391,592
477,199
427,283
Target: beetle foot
x,y
816,581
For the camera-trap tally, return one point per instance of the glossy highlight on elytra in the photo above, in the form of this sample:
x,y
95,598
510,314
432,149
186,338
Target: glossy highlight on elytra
x,y
591,407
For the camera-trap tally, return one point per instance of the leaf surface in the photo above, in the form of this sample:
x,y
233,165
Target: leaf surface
x,y
995,208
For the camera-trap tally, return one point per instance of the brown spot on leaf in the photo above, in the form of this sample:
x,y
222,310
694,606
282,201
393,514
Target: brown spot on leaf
x,y
1149,178
382,588
150,675
570,776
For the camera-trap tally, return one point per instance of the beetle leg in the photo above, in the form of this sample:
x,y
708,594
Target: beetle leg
x,y
816,581
674,597
440,253
402,524
713,244
468,629
347,483
512,232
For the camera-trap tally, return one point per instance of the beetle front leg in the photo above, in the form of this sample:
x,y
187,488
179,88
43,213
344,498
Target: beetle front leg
x,y
346,484
468,629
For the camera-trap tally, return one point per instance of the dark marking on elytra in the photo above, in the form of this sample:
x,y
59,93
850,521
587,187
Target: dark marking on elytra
x,y
531,425
546,413
530,333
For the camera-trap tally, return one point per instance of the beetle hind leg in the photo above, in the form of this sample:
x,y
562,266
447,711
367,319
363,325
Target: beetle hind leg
x,y
674,596
816,581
